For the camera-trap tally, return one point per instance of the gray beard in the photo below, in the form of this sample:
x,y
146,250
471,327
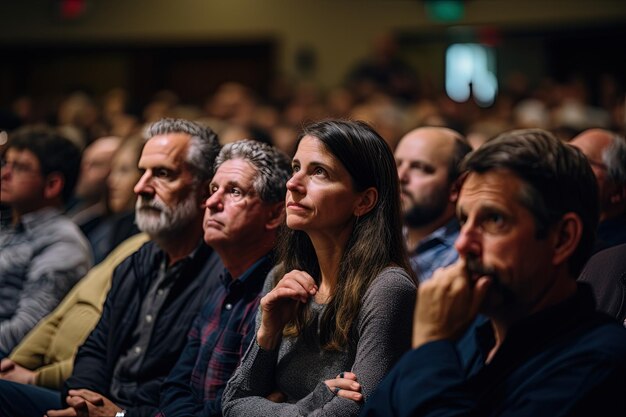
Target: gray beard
x,y
169,221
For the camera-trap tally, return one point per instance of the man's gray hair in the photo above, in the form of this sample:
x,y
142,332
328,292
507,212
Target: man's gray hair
x,y
273,167
203,148
614,157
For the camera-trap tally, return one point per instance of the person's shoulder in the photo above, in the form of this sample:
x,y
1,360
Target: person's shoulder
x,y
607,337
394,276
142,257
60,227
390,281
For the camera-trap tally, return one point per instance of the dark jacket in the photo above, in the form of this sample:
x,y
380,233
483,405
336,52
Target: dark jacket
x,y
96,359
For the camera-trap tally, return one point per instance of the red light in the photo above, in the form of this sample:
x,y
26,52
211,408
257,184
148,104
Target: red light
x,y
72,9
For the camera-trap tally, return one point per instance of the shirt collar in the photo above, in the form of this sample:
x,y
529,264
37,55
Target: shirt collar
x,y
243,280
446,235
33,219
542,324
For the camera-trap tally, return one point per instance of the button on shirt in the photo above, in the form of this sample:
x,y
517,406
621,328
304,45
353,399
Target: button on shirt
x,y
124,381
217,340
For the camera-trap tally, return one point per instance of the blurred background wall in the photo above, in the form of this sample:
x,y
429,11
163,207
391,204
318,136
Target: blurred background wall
x,y
143,44
51,48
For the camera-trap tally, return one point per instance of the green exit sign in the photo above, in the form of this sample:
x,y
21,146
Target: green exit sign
x,y
444,10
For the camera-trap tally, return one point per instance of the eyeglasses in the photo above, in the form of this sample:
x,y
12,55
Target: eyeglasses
x,y
17,167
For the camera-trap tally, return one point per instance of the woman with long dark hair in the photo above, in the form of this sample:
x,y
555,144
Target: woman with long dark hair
x,y
339,309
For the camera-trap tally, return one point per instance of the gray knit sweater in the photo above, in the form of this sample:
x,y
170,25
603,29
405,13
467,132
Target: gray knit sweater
x,y
382,334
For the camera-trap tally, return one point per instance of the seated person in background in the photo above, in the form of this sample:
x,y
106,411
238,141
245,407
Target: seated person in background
x,y
89,205
428,162
242,216
42,254
45,357
606,273
606,152
119,224
528,213
341,300
155,293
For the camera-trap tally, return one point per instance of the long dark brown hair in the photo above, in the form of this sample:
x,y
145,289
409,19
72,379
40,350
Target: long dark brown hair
x,y
376,240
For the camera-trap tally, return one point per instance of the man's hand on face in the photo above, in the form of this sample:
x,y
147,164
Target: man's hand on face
x,y
86,403
447,304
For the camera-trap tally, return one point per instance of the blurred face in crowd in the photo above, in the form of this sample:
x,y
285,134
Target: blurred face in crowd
x,y
423,159
169,197
95,167
122,179
593,143
22,185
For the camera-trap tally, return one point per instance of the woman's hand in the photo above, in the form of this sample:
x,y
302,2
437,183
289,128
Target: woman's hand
x,y
278,306
345,386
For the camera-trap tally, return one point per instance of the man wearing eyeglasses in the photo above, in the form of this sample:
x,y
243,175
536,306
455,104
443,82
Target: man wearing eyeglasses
x,y
42,253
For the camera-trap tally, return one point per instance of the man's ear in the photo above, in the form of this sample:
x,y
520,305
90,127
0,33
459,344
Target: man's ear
x,y
455,190
567,235
53,186
455,187
366,202
275,215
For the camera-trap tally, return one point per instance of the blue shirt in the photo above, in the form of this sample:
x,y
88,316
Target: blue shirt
x,y
436,250
216,343
563,361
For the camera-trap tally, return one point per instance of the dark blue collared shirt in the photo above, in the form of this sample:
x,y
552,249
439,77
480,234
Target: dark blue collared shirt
x,y
436,250
567,360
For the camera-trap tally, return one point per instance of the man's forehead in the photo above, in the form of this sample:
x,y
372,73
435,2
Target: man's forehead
x,y
592,142
495,185
23,155
427,145
235,171
171,146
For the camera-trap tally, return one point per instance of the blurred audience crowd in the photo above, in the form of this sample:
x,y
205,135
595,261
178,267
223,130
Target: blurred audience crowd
x,y
391,107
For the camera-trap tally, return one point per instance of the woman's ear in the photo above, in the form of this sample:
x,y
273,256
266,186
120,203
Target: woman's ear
x,y
567,236
366,202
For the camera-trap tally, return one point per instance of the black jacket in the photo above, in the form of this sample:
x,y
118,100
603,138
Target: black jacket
x,y
96,359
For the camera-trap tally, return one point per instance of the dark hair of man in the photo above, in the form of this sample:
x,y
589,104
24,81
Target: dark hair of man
x,y
273,167
376,240
614,157
203,147
557,177
54,152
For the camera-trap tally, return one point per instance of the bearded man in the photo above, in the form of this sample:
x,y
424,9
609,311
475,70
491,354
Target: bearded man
x,y
428,161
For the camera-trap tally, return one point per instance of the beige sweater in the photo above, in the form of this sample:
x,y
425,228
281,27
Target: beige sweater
x,y
49,348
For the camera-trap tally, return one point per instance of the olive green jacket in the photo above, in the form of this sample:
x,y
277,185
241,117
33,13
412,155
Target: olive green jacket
x,y
49,348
